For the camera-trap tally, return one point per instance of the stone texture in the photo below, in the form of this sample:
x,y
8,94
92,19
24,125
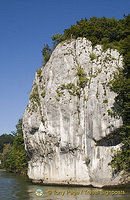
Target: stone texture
x,y
69,136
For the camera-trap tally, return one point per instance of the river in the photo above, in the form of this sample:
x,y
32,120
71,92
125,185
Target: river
x,y
14,186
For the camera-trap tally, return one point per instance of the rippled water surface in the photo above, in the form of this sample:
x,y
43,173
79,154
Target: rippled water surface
x,y
13,186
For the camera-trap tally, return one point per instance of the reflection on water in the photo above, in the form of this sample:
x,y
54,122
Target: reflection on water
x,y
13,186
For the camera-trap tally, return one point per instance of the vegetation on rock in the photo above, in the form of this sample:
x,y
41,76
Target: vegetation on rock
x,y
46,52
34,96
82,79
93,56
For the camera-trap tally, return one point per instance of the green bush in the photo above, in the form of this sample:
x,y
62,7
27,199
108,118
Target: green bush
x,y
39,71
72,89
5,139
43,94
82,79
105,101
93,56
14,157
111,112
34,96
46,52
59,92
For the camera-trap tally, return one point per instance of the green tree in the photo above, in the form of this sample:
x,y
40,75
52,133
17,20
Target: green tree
x,y
57,38
5,139
6,150
18,128
46,52
14,158
121,85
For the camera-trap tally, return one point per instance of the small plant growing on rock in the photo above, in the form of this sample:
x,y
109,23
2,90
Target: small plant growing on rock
x,y
34,96
111,112
93,56
82,79
43,94
72,89
70,86
105,101
57,99
59,92
39,71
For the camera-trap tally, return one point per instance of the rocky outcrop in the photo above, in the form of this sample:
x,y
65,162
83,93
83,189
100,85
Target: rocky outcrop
x,y
71,122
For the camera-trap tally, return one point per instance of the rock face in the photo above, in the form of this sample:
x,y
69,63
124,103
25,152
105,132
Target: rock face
x,y
70,123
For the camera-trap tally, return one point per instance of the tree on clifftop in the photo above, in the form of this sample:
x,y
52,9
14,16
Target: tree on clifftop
x,y
46,52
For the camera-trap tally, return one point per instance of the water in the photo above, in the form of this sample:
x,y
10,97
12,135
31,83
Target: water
x,y
14,186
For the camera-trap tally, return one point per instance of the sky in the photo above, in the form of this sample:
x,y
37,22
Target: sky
x,y
25,27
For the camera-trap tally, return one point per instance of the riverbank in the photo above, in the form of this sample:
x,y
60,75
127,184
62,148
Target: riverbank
x,y
23,172
40,182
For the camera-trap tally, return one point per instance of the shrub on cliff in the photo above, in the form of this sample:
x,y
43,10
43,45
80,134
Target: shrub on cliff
x,y
46,52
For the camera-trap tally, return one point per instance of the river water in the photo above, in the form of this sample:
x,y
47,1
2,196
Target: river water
x,y
14,186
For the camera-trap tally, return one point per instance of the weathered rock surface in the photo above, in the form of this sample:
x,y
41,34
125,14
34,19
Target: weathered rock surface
x,y
70,122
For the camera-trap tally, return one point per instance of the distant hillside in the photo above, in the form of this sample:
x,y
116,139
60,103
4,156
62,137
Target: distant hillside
x,y
5,139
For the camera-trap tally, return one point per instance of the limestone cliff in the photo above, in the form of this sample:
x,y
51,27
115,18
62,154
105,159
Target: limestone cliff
x,y
70,123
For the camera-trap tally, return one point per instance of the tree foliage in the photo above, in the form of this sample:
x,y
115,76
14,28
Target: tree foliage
x,y
18,128
46,52
106,31
5,139
121,85
57,38
14,157
82,79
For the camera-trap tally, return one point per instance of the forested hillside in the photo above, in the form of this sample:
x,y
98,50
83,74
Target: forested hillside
x,y
5,139
13,154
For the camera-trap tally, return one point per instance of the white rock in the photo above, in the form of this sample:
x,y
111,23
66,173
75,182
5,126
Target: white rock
x,y
66,149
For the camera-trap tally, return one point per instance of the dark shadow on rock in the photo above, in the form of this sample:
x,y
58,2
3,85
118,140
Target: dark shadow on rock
x,y
113,139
